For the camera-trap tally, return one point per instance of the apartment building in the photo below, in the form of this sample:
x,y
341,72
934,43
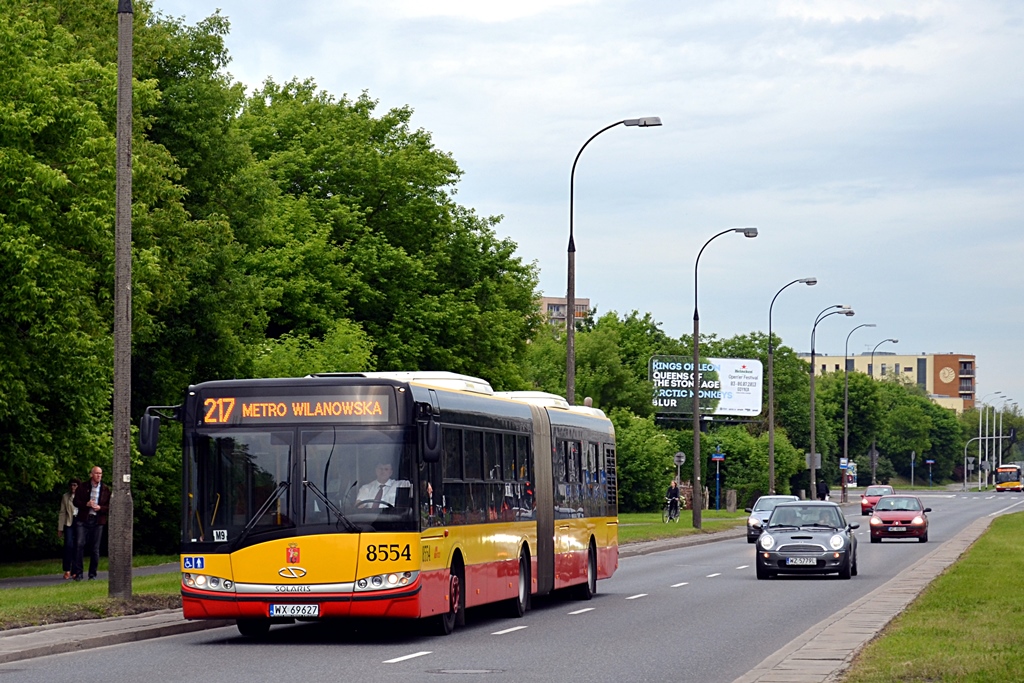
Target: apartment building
x,y
947,378
554,309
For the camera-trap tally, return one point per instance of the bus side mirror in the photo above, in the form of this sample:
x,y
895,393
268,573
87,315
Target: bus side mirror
x,y
430,436
149,433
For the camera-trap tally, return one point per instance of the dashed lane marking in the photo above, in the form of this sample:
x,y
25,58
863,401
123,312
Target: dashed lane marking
x,y
581,611
711,576
638,595
677,585
508,630
402,659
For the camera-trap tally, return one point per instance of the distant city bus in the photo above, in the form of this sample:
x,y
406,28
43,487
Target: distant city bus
x,y
399,495
1008,478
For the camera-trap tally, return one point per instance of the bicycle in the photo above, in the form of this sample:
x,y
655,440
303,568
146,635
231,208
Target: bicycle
x,y
670,513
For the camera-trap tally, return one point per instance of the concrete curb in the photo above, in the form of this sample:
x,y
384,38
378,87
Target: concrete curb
x,y
648,547
52,639
822,653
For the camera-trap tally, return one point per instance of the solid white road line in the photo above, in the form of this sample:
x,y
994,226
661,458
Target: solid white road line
x,y
402,659
999,512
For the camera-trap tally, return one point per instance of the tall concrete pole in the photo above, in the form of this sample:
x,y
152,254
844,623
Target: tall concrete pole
x,y
119,539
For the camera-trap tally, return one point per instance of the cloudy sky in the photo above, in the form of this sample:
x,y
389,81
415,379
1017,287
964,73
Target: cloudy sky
x,y
876,145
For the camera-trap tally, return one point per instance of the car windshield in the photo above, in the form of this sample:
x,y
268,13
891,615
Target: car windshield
x,y
898,504
805,515
878,491
765,504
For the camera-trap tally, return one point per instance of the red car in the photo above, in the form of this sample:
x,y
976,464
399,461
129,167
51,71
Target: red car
x,y
871,496
899,516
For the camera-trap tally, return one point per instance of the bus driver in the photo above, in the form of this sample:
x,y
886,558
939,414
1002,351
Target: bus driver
x,y
380,490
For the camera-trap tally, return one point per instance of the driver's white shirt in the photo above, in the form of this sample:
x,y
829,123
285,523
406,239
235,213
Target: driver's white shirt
x,y
369,491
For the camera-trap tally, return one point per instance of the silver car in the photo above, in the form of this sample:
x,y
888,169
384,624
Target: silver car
x,y
760,513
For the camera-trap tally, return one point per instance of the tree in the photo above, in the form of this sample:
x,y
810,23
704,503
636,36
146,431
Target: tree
x,y
644,461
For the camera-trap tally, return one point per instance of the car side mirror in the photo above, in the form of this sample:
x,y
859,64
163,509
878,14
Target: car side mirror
x,y
749,509
927,509
854,525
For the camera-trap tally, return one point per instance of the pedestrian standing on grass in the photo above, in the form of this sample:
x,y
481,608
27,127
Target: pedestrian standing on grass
x,y
66,526
93,501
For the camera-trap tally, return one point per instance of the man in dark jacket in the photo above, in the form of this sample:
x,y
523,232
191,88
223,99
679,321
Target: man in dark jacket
x,y
93,501
822,489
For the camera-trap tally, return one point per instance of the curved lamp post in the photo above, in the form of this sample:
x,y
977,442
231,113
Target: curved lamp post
x,y
874,451
698,491
843,309
570,292
810,281
846,403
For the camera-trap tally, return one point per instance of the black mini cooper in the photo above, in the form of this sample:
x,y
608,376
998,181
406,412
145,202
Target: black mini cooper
x,y
808,537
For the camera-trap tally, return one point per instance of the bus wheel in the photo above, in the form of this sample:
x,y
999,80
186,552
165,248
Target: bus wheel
x,y
587,590
253,628
445,623
519,604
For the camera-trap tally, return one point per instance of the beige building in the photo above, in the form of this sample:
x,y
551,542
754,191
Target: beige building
x,y
554,309
948,378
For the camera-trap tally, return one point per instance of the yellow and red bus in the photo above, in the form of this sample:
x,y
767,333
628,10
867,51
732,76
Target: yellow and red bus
x,y
412,495
1008,478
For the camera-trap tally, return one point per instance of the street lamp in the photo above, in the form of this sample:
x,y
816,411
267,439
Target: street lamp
x,y
843,309
570,293
874,437
698,491
810,281
846,403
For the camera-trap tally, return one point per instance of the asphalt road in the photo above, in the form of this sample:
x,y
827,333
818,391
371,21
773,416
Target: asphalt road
x,y
692,614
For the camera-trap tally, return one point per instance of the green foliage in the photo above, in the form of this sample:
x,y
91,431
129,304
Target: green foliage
x,y
644,458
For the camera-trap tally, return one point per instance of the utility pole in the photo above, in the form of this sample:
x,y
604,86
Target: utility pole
x,y
119,537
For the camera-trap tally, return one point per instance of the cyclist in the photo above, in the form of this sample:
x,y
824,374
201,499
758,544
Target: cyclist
x,y
672,495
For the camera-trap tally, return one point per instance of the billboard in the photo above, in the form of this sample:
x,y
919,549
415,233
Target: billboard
x,y
726,386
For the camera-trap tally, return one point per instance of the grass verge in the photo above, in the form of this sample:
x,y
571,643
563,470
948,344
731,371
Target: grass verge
x,y
647,526
968,625
74,600
9,570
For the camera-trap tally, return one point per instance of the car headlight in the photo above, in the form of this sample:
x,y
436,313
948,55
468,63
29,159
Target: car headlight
x,y
767,541
837,542
875,521
919,520
753,521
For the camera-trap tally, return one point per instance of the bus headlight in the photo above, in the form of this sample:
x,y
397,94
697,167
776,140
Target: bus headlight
x,y
207,583
386,581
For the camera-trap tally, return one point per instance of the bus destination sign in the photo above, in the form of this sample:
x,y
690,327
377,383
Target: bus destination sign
x,y
357,408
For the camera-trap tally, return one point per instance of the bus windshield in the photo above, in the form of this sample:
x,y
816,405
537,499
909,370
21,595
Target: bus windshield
x,y
247,483
1007,474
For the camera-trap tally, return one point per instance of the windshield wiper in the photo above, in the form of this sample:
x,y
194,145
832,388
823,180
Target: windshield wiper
x,y
281,488
331,506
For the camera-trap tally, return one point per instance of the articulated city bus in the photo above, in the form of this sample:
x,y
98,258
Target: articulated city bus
x,y
1008,478
409,495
